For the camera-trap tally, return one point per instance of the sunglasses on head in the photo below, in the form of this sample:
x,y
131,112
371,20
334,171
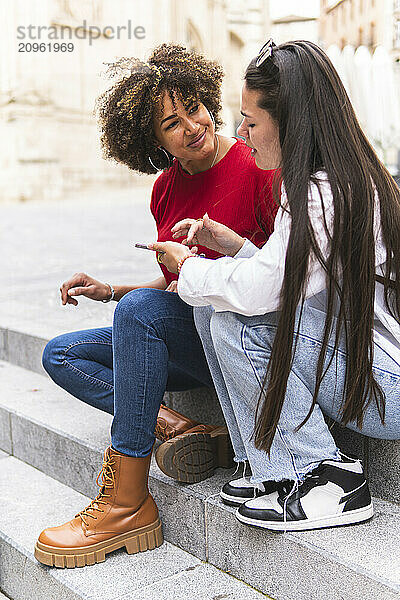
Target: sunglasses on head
x,y
265,52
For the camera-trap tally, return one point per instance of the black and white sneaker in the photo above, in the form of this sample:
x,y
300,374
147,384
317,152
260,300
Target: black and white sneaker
x,y
239,490
334,493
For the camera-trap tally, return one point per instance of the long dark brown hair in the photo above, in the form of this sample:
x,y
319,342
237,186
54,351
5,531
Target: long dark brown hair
x,y
319,131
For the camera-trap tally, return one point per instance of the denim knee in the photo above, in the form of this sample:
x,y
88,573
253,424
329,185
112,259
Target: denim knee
x,y
52,354
138,304
224,326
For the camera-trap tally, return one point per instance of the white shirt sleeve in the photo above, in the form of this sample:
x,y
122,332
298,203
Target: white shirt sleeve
x,y
252,286
247,250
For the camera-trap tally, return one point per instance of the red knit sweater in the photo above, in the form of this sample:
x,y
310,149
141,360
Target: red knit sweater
x,y
234,192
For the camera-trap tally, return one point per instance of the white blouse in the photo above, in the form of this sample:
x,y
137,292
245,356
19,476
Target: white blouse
x,y
250,283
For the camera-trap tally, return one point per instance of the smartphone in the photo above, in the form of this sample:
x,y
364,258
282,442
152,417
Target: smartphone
x,y
144,247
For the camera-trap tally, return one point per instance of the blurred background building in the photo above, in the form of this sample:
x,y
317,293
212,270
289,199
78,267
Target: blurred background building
x,y
368,23
49,140
362,38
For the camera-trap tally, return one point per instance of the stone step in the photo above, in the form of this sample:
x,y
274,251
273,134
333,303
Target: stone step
x,y
381,458
45,427
30,500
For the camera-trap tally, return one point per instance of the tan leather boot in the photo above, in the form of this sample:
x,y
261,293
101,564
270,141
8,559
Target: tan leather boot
x,y
170,423
195,454
122,514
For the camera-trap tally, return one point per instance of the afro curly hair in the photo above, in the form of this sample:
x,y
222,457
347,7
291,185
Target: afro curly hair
x,y
125,111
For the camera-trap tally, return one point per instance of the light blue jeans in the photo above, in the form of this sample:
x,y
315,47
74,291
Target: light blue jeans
x,y
238,350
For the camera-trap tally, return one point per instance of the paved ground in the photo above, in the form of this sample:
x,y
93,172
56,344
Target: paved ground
x,y
43,244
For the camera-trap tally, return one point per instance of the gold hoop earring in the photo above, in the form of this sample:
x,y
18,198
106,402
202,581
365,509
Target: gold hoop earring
x,y
168,160
212,119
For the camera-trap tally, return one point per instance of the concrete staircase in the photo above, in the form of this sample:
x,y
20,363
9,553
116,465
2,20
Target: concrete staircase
x,y
52,451
31,500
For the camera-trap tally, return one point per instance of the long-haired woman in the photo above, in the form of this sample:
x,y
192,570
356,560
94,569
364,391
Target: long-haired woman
x,y
309,324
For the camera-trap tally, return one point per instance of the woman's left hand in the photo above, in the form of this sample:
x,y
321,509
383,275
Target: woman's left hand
x,y
174,252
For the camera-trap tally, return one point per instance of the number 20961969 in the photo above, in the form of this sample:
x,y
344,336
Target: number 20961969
x,y
45,47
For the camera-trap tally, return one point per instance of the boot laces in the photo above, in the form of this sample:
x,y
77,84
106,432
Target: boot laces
x,y
289,494
288,488
258,488
107,482
161,431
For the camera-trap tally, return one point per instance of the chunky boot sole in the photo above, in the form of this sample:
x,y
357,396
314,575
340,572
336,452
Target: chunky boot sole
x,y
192,457
138,540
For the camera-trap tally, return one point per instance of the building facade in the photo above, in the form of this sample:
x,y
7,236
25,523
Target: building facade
x,y
49,140
368,23
370,29
295,27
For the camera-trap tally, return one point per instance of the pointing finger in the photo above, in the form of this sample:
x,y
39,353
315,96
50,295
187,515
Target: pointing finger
x,y
184,223
197,226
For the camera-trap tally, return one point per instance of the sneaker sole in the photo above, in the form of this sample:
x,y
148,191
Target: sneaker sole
x,y
193,457
233,500
351,517
139,540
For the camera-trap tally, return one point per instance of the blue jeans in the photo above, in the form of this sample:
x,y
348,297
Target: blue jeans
x,y
152,347
238,350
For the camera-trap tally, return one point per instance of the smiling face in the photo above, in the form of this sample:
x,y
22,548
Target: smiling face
x,y
186,132
260,131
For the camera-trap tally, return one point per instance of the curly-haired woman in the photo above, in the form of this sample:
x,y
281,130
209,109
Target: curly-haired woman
x,y
162,114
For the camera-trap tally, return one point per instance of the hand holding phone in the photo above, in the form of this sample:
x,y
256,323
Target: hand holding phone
x,y
145,247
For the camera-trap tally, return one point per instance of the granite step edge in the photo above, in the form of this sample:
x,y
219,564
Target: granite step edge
x,y
139,575
381,458
194,504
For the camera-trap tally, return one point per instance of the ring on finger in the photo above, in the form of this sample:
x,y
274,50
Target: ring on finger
x,y
159,255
